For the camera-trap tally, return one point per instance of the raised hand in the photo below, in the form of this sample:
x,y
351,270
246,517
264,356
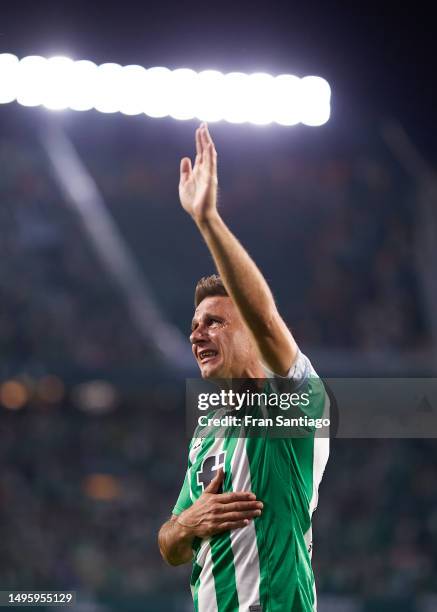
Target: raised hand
x,y
198,184
217,512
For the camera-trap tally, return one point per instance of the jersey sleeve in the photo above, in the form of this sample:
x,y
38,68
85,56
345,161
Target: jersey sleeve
x,y
184,500
299,372
303,379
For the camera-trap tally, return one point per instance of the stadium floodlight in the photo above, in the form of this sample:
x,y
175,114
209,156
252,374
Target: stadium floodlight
x,y
260,94
209,102
234,98
315,97
83,85
157,102
133,90
31,80
259,98
287,105
108,89
185,84
8,77
57,85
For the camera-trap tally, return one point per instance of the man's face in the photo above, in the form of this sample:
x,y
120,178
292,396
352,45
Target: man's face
x,y
221,343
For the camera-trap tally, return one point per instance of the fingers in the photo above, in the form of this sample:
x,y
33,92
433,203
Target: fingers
x,y
228,526
236,496
185,169
199,145
205,149
215,483
205,138
209,153
239,516
242,506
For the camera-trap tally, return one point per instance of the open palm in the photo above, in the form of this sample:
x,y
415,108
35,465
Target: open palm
x,y
198,184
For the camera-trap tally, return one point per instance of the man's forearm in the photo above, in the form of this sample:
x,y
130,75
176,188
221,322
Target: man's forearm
x,y
250,293
175,543
242,279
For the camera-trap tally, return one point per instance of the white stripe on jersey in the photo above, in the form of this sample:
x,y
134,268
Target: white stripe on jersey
x,y
320,458
243,541
206,598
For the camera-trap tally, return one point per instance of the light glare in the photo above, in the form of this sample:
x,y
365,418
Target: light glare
x,y
8,77
315,97
57,84
32,79
108,88
210,96
259,98
83,85
133,90
235,97
185,86
158,89
287,99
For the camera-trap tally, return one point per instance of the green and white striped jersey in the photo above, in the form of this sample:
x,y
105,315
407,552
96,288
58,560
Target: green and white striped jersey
x,y
265,566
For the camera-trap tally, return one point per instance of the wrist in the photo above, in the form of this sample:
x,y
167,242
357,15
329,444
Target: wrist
x,y
207,221
186,531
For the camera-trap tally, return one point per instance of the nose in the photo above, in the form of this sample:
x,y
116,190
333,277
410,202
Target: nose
x,y
198,335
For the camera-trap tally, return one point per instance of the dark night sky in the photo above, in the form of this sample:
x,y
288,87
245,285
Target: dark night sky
x,y
380,62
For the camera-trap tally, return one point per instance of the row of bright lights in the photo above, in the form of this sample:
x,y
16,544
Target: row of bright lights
x,y
59,83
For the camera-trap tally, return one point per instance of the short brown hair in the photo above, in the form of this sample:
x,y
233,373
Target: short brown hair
x,y
208,286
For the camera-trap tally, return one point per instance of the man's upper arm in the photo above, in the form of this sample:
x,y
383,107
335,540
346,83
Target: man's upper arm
x,y
276,345
304,380
299,370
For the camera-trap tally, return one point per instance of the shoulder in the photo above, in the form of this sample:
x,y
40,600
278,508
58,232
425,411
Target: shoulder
x,y
299,371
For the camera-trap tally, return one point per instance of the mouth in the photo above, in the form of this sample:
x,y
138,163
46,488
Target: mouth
x,y
206,355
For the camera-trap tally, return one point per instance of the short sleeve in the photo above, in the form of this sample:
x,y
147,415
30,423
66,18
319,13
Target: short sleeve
x,y
299,372
303,379
184,500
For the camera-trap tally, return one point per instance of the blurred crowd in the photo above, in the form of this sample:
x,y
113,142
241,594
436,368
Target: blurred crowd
x,y
335,237
83,495
57,305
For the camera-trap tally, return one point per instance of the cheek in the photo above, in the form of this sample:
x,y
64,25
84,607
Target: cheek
x,y
240,345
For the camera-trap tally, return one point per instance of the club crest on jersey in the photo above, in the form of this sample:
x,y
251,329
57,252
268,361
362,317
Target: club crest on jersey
x,y
210,466
197,443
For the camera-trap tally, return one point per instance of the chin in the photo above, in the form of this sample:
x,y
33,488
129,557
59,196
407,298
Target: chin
x,y
211,372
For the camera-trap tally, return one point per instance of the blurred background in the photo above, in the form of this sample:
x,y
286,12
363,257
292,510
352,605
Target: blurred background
x,y
96,302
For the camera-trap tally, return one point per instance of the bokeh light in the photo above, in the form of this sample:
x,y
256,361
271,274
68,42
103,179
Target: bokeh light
x,y
184,85
50,389
32,80
83,85
157,95
108,90
57,91
101,487
13,394
209,103
8,77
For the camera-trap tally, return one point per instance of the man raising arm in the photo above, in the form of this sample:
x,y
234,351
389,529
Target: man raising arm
x,y
242,279
247,556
